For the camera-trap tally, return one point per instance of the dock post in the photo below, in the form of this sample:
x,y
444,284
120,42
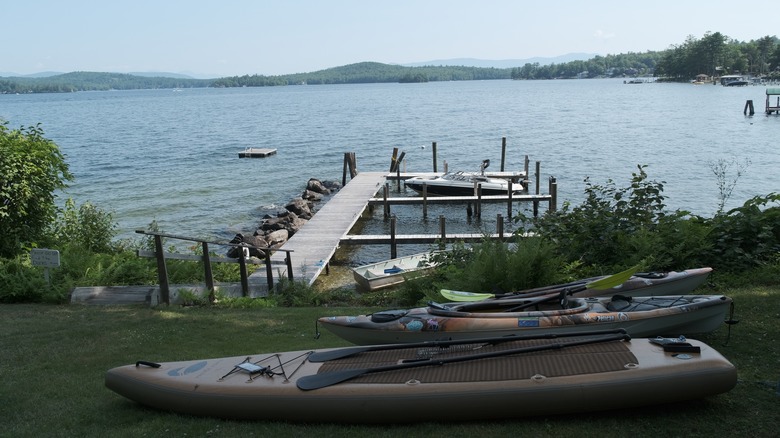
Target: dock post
x,y
393,248
509,199
344,170
500,226
398,170
269,271
394,160
503,152
162,271
244,274
398,179
433,147
525,166
288,262
425,199
442,231
207,272
386,204
538,178
553,194
479,201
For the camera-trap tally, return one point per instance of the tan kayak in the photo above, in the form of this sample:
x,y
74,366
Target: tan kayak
x,y
440,381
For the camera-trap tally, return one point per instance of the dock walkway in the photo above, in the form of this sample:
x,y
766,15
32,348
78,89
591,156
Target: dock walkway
x,y
315,243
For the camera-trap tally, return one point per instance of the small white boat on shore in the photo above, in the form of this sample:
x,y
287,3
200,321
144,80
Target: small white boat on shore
x,y
388,273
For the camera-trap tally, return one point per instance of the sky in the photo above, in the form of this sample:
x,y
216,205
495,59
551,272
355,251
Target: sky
x,y
211,39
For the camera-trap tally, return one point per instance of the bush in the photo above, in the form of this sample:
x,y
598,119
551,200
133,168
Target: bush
x,y
746,237
32,168
20,282
615,228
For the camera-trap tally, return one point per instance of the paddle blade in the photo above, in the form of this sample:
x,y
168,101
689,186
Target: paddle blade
x,y
613,280
317,381
457,295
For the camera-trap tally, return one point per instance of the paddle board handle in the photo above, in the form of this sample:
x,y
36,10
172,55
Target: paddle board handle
x,y
147,363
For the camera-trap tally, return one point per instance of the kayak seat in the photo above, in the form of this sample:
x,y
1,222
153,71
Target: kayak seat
x,y
618,304
388,315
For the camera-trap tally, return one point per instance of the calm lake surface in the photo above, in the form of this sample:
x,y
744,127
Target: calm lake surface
x,y
173,156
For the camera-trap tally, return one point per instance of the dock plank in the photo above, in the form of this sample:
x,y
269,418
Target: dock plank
x,y
316,242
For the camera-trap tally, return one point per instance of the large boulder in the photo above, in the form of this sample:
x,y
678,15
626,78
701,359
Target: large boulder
x,y
255,245
316,186
300,207
312,196
280,222
333,186
277,238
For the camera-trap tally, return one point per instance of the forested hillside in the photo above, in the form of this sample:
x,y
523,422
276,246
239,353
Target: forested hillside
x,y
714,54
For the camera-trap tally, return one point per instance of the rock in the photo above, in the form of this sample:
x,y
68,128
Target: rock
x,y
300,207
312,196
332,185
316,186
277,238
255,246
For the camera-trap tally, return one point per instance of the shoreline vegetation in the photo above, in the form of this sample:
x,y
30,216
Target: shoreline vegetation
x,y
712,55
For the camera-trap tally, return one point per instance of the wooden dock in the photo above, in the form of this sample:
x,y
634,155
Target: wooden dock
x,y
314,244
256,153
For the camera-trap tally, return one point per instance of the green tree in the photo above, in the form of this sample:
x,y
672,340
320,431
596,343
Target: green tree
x,y
32,168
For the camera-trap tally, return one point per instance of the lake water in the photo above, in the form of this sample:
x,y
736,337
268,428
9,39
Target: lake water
x,y
173,156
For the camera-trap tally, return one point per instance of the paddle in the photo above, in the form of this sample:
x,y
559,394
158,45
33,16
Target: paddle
x,y
324,356
317,381
601,284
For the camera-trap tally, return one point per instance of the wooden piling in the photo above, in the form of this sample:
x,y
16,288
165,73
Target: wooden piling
x,y
385,189
393,248
433,147
208,273
536,187
425,199
162,271
503,152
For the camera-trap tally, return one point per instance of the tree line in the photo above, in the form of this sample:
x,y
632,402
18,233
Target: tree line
x,y
714,54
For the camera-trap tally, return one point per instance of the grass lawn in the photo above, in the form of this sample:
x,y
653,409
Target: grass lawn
x,y
54,359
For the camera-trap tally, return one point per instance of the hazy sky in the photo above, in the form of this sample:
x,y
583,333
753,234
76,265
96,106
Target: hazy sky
x,y
269,37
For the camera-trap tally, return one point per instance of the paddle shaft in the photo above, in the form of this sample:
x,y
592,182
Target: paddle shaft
x,y
317,381
324,356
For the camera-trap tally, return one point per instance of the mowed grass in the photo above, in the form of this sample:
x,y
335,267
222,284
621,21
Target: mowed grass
x,y
54,360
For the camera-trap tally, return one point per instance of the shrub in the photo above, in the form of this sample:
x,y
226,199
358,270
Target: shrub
x,y
747,236
32,168
619,227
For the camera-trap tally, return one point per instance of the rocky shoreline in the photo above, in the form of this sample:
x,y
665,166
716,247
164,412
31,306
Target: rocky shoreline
x,y
274,231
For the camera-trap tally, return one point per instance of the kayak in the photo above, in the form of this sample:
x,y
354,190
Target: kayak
x,y
486,379
555,313
639,284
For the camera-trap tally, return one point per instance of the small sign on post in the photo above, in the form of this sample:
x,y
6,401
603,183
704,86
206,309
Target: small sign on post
x,y
47,258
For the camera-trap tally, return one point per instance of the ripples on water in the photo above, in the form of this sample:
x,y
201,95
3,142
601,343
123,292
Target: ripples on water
x,y
172,157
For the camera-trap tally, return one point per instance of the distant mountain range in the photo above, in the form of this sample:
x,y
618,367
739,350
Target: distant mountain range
x,y
504,63
464,62
151,74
